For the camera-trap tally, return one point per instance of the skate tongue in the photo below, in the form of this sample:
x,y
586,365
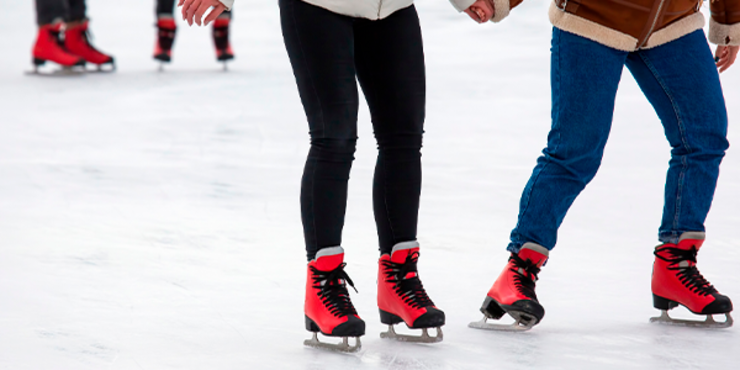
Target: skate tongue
x,y
328,259
535,253
401,251
687,244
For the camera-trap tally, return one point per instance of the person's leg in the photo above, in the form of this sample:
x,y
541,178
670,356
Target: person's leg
x,y
165,8
681,81
584,78
51,15
51,11
77,11
390,68
320,46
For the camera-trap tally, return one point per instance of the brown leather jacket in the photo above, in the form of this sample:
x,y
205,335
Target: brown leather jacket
x,y
639,24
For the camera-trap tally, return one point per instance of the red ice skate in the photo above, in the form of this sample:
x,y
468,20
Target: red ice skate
x,y
676,280
166,30
513,292
48,47
221,40
328,308
76,40
402,298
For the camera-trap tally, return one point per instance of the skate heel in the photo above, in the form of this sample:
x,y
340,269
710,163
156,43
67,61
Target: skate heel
x,y
311,326
663,304
38,62
491,309
389,318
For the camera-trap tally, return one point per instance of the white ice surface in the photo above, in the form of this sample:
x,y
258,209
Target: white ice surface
x,y
150,220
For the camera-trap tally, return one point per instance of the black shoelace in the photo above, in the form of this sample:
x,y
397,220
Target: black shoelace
x,y
409,289
332,286
688,275
526,276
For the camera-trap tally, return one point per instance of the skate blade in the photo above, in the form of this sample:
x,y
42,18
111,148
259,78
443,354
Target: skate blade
x,y
63,72
708,323
340,347
518,325
424,338
101,69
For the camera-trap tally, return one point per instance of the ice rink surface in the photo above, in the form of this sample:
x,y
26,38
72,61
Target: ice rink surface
x,y
150,220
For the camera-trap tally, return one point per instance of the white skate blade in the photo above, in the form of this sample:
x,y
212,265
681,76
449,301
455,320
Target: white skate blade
x,y
708,323
424,338
62,72
340,347
101,69
517,325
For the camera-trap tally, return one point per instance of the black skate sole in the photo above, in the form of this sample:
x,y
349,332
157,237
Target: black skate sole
x,y
721,305
163,58
433,318
37,62
525,311
354,327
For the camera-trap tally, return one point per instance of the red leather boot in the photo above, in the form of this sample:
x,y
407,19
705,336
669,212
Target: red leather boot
x,y
676,280
76,40
402,298
513,292
49,48
328,308
166,30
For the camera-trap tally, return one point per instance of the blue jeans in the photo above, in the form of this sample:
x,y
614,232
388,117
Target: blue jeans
x,y
679,79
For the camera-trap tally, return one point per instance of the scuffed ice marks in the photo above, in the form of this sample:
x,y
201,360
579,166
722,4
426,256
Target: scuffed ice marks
x,y
83,349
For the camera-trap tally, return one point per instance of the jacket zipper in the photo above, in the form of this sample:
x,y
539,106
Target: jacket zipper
x,y
655,22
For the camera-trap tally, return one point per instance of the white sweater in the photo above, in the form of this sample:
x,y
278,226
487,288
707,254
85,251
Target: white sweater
x,y
229,3
370,9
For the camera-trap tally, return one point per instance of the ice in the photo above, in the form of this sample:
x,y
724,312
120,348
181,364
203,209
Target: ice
x,y
150,220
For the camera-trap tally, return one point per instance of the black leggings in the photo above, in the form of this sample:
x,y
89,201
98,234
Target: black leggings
x,y
167,7
329,53
49,11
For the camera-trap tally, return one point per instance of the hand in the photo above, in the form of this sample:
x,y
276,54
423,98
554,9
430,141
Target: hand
x,y
193,10
725,56
481,11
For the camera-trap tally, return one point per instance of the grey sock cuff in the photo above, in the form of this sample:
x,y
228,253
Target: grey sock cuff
x,y
329,251
537,248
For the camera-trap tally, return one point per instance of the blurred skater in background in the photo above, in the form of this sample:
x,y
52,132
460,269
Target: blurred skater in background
x,y
167,28
63,36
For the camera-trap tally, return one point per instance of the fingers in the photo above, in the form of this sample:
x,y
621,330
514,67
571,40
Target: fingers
x,y
723,57
186,5
473,14
188,10
200,12
180,2
488,9
214,14
728,58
